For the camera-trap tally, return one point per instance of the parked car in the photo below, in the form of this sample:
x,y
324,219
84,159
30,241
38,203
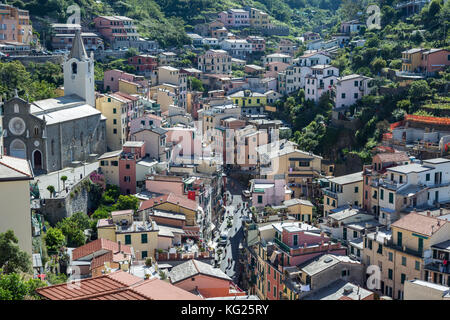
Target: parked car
x,y
246,193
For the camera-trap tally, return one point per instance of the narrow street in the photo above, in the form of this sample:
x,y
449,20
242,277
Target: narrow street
x,y
230,262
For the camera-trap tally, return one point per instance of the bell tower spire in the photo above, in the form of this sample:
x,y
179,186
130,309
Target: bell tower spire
x,y
79,72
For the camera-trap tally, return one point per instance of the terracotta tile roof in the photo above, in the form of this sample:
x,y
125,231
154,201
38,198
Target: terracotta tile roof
x,y
171,198
419,223
126,96
156,289
108,257
88,288
393,156
99,245
118,285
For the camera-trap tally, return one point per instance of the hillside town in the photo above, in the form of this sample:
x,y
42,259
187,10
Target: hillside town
x,y
246,165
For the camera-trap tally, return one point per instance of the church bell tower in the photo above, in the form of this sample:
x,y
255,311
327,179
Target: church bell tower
x,y
79,72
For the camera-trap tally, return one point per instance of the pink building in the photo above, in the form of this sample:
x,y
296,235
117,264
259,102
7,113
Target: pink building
x,y
434,60
234,18
63,35
111,79
184,143
300,246
269,192
198,276
147,121
133,151
273,68
258,43
165,185
116,28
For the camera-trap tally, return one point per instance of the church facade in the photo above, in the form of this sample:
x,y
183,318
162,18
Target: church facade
x,y
56,133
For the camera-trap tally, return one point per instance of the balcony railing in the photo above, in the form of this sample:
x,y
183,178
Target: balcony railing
x,y
331,194
282,245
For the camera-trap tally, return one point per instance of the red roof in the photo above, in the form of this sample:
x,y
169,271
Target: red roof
x,y
99,245
126,96
108,257
118,285
393,157
170,198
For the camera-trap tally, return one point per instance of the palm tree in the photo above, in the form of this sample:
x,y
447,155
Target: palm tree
x,y
63,179
51,189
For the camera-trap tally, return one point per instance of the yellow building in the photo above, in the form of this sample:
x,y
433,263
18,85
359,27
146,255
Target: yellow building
x,y
15,212
281,160
130,87
141,235
114,108
411,59
109,166
301,210
259,18
173,203
406,252
343,190
247,98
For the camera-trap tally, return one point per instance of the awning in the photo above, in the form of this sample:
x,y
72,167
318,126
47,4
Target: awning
x,y
189,233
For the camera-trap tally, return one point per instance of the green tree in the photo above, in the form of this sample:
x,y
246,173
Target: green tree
x,y
54,239
72,231
127,203
419,91
196,84
81,219
378,64
12,259
131,52
64,179
14,287
51,190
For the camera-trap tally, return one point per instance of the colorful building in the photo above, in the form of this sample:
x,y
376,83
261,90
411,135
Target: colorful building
x,y
117,30
259,18
141,235
15,24
343,190
215,62
409,250
144,63
210,282
234,18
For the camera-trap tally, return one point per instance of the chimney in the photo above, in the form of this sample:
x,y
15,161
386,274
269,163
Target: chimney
x,y
428,214
432,229
120,245
441,212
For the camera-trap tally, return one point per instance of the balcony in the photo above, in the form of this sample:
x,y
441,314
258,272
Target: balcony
x,y
282,245
330,194
392,185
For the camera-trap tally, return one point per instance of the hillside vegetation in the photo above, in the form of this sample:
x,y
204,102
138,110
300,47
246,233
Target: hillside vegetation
x,y
167,20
